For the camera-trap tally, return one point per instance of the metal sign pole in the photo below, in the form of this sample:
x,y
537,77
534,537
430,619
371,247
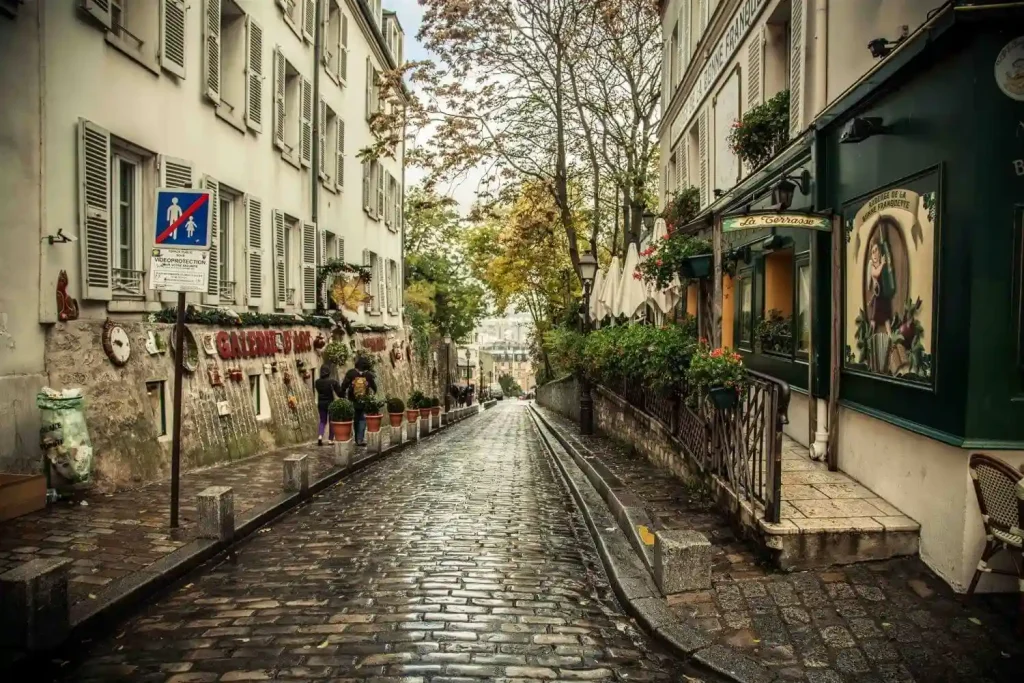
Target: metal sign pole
x,y
179,357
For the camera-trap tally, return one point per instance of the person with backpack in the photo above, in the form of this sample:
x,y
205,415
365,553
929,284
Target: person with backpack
x,y
326,388
358,383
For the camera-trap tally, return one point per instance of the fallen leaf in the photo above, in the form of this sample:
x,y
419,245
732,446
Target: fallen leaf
x,y
323,645
645,534
974,620
92,596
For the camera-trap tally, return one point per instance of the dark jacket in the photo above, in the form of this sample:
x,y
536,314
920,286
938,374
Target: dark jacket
x,y
326,388
346,384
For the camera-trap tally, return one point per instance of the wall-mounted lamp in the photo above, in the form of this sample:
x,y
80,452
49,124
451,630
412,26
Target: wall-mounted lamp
x,y
782,194
860,129
718,193
649,219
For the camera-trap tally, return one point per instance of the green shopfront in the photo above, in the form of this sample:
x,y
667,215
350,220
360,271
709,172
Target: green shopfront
x,y
876,266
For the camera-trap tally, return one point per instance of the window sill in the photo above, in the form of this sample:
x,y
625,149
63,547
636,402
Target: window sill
x,y
263,418
134,305
375,314
331,75
164,438
292,25
227,115
328,184
132,53
291,159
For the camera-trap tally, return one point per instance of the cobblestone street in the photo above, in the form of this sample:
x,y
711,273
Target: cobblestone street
x,y
461,558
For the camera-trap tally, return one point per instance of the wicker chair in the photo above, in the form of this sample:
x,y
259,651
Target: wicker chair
x,y
1000,491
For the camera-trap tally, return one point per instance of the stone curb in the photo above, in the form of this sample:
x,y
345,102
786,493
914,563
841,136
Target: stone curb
x,y
119,599
632,582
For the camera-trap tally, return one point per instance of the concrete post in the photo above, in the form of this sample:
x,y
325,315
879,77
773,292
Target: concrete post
x,y
34,604
446,418
397,436
682,561
343,452
412,430
374,442
217,513
424,425
296,473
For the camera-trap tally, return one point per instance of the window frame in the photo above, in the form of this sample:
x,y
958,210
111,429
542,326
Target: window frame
x,y
159,385
800,261
744,277
228,235
118,156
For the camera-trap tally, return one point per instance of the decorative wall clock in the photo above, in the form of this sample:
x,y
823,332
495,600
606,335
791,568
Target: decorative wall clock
x,y
116,343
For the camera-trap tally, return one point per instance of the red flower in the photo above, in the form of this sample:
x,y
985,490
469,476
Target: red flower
x,y
658,262
636,275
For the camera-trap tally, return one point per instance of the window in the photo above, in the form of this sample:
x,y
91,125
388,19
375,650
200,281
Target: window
x,y
151,33
775,333
394,202
336,42
332,142
776,50
225,59
158,405
745,311
372,90
803,307
374,286
127,273
260,404
379,174
389,203
293,112
229,212
300,17
373,189
291,251
394,285
673,58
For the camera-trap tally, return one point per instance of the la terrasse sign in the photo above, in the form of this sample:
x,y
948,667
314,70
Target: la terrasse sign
x,y
724,51
776,220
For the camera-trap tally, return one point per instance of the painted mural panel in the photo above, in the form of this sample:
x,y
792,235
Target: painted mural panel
x,y
889,316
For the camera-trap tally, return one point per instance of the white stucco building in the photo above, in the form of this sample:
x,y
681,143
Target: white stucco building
x,y
107,100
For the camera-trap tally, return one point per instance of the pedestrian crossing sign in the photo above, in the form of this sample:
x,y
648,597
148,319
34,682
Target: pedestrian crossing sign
x,y
182,218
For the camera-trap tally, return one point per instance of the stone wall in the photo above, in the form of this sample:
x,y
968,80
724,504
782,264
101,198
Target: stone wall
x,y
616,419
124,421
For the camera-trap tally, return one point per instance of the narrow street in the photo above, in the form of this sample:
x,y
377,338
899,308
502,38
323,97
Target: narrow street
x,y
461,558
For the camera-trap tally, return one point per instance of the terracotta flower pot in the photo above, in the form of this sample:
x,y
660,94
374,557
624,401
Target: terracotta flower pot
x,y
342,430
412,415
424,413
396,419
435,411
373,422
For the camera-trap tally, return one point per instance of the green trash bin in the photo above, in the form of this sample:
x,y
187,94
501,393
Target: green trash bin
x,y
64,436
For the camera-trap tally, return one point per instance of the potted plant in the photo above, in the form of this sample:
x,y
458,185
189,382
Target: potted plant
x,y
435,406
762,132
422,403
682,208
371,407
336,354
717,373
341,412
688,255
396,408
775,332
412,409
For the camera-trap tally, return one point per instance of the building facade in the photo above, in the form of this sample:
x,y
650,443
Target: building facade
x,y
888,316
266,104
498,359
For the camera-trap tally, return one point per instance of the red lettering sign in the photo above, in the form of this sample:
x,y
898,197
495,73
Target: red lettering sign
x,y
260,343
374,343
224,345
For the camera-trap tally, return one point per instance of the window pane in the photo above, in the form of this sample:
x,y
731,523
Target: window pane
x,y
126,214
746,310
224,241
803,307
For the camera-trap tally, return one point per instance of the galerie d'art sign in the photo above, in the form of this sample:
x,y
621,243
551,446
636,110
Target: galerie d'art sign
x,y
776,220
261,343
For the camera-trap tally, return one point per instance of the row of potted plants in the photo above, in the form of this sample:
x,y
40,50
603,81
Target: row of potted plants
x,y
343,411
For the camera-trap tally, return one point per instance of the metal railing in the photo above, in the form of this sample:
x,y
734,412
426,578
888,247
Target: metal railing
x,y
741,445
127,282
227,292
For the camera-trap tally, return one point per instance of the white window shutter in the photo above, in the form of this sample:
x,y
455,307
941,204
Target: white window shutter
x,y
684,38
366,186
211,55
306,117
702,145
309,240
670,176
754,70
99,10
279,108
308,19
367,261
322,141
796,67
341,247
284,4
382,286
253,75
369,89
254,249
387,198
280,286
379,173
172,36
212,295
343,50
322,254
339,172
94,227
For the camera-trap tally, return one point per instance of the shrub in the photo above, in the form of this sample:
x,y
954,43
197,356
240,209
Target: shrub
x,y
336,354
435,402
565,349
417,400
682,207
370,404
720,367
341,410
396,405
663,260
762,132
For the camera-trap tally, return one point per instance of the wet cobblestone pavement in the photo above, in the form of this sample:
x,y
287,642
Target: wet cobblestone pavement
x,y
456,560
892,622
111,536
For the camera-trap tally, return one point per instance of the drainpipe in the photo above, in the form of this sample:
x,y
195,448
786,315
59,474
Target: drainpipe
x,y
318,46
819,448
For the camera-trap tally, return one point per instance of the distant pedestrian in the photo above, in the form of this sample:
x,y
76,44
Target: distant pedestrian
x,y
326,388
359,382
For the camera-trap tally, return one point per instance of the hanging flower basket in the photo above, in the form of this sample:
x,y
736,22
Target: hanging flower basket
x,y
695,267
723,398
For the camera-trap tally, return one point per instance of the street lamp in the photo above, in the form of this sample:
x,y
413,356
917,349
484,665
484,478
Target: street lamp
x,y
447,372
649,219
588,271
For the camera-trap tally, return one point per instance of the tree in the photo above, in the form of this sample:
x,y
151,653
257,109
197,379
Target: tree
x,y
432,222
509,385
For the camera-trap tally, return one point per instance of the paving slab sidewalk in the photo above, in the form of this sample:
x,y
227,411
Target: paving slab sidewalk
x,y
111,536
869,622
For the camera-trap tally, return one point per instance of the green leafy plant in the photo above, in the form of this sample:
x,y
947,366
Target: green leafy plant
x,y
336,353
663,260
341,410
762,132
396,405
775,332
226,318
417,400
682,207
435,402
370,404
710,368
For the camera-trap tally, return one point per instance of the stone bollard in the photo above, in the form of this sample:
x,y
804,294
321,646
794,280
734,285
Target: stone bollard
x,y
217,513
682,561
424,425
397,435
446,418
296,473
412,430
374,442
343,452
34,604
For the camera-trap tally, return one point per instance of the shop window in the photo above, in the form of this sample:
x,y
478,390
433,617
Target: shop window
x,y
260,404
158,404
774,332
744,326
803,307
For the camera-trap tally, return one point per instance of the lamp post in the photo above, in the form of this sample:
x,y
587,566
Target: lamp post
x,y
588,271
447,372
